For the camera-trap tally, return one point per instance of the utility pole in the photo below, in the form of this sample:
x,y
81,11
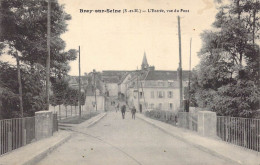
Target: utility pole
x,y
138,90
94,72
79,87
143,95
189,72
49,54
20,83
180,63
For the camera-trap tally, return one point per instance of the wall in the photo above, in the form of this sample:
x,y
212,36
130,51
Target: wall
x,y
112,88
122,88
91,99
123,85
43,124
207,123
165,101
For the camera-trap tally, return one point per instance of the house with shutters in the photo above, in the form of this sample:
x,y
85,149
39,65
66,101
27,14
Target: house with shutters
x,y
157,89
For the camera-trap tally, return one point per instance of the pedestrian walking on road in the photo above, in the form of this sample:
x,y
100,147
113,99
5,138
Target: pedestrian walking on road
x,y
123,109
117,107
133,110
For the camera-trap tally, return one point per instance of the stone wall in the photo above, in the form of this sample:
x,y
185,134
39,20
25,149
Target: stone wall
x,y
43,124
207,123
202,121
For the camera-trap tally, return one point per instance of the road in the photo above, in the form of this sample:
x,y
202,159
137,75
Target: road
x,y
114,141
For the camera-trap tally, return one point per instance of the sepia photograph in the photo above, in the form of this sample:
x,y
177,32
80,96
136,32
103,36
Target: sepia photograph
x,y
129,82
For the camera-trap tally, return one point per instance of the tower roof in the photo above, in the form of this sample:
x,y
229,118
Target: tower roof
x,y
145,63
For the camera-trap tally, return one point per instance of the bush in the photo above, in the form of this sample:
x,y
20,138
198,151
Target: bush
x,y
164,116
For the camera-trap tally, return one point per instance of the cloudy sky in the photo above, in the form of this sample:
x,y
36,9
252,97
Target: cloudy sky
x,y
117,41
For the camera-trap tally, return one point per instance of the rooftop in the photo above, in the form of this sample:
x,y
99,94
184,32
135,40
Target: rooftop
x,y
166,75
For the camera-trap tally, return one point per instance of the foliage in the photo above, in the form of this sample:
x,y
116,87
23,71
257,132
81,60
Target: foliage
x,y
59,88
32,87
64,94
240,99
164,116
24,28
24,32
227,77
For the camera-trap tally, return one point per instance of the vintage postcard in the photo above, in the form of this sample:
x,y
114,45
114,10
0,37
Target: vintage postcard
x,y
125,82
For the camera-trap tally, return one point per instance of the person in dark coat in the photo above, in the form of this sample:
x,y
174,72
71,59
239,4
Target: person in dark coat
x,y
117,107
123,109
133,112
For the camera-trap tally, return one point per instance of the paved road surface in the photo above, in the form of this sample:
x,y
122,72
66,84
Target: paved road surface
x,y
114,141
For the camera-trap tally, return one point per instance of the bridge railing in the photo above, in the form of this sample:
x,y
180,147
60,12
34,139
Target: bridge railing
x,y
243,132
15,133
188,120
164,116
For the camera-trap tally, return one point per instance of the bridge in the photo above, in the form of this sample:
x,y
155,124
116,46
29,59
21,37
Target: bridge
x,y
109,139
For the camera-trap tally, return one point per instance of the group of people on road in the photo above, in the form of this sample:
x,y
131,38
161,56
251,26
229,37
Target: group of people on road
x,y
123,110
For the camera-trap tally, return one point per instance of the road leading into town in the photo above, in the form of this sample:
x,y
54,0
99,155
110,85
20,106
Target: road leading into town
x,y
114,141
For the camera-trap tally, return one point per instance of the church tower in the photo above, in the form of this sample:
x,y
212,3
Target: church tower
x,y
145,64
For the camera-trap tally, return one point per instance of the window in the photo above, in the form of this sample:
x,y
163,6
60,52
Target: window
x,y
160,94
152,94
152,106
170,106
170,84
141,94
160,106
169,94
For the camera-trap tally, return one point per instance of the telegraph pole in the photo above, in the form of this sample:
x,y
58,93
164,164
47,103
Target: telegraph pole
x,y
189,72
79,88
180,63
143,95
94,72
20,84
49,54
138,98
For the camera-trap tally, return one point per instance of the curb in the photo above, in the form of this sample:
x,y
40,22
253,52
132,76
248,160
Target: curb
x,y
97,120
70,127
34,159
45,153
205,149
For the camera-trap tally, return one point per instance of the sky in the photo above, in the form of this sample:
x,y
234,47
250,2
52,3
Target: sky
x,y
117,41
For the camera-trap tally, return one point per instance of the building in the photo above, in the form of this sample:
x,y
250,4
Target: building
x,y
95,100
111,80
157,89
111,86
94,103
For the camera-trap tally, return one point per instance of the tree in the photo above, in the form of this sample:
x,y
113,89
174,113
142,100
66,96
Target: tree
x,y
24,27
24,30
59,88
32,86
71,97
227,77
